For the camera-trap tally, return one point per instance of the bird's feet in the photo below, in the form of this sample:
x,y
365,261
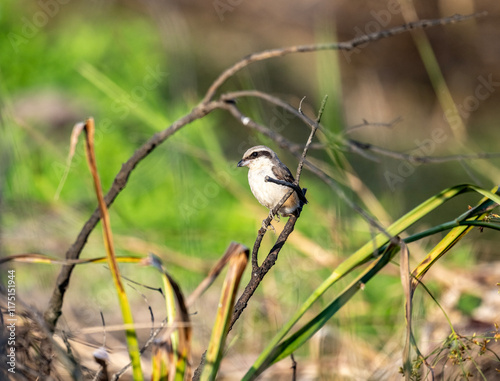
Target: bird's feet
x,y
267,226
275,217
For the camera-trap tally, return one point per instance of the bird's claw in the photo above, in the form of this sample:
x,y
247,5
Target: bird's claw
x,y
267,226
275,217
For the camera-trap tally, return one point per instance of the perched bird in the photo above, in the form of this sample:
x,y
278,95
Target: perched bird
x,y
263,162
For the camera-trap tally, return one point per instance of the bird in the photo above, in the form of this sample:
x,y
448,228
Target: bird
x,y
263,163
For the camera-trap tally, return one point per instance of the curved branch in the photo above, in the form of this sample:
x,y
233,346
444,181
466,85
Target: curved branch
x,y
259,272
347,45
357,146
53,310
365,123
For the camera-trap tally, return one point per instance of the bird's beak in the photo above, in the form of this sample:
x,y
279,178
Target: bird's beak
x,y
242,163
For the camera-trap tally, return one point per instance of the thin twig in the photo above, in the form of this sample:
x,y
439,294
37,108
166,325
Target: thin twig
x,y
314,128
348,45
103,329
279,139
355,146
53,310
233,95
365,123
258,272
295,187
263,269
294,367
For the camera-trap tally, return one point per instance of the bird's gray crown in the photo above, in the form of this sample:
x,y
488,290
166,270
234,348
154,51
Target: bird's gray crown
x,y
259,151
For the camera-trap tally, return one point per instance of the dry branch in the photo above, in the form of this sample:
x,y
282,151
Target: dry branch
x,y
259,272
53,311
347,45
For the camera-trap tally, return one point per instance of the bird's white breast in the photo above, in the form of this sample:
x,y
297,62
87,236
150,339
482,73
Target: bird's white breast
x,y
267,193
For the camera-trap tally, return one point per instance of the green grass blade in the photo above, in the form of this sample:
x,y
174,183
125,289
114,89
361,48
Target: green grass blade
x,y
113,91
456,234
404,268
295,341
170,308
363,255
159,368
176,341
237,265
130,334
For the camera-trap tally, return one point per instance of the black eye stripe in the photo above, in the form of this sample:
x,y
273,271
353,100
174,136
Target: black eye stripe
x,y
257,154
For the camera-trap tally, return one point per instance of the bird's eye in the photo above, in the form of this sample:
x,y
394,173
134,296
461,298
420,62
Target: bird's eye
x,y
255,154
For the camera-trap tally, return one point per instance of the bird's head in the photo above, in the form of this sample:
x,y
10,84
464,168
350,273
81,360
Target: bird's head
x,y
257,157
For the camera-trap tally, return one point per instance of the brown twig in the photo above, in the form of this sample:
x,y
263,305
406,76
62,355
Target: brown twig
x,y
294,149
259,272
355,146
347,45
231,96
53,311
314,127
365,123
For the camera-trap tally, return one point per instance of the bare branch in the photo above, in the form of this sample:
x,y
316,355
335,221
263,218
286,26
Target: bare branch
x,y
361,148
248,122
314,127
365,123
259,272
294,367
53,310
347,45
357,146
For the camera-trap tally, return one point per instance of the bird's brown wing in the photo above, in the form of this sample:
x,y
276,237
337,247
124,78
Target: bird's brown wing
x,y
283,173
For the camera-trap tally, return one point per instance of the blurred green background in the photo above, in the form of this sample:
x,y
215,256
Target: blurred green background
x,y
138,66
